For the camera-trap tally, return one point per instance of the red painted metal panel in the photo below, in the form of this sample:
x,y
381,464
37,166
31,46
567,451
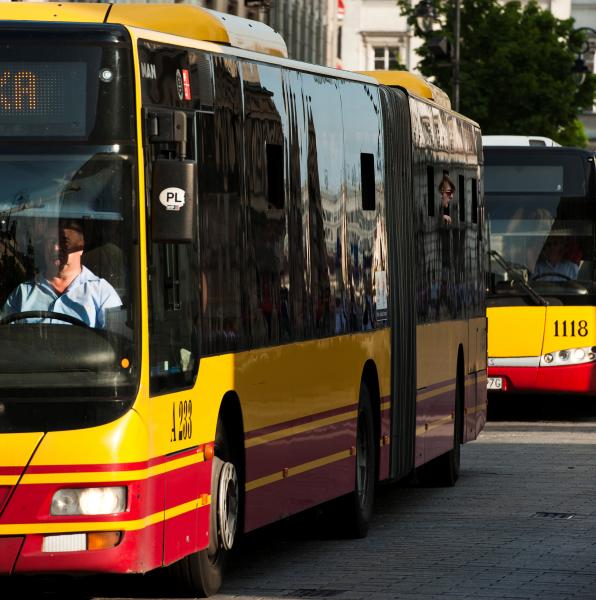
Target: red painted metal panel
x,y
31,503
298,492
138,552
9,550
142,547
432,437
4,493
300,448
188,532
438,441
575,379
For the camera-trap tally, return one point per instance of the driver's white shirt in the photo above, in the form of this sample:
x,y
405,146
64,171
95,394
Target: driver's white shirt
x,y
567,268
86,299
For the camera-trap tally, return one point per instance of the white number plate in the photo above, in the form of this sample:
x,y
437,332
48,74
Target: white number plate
x,y
495,383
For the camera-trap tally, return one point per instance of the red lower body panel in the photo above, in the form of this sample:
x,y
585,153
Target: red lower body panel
x,y
573,379
139,551
167,518
9,550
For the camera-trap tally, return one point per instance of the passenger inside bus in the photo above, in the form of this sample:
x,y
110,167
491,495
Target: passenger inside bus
x,y
555,263
446,189
66,287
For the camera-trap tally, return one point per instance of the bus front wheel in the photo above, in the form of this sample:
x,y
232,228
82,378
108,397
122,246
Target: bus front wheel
x,y
202,572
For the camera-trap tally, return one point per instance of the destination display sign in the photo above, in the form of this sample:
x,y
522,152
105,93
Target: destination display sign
x,y
39,99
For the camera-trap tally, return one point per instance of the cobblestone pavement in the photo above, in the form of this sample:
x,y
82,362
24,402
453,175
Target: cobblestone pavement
x,y
519,524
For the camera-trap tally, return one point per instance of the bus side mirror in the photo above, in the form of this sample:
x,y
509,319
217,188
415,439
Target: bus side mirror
x,y
173,200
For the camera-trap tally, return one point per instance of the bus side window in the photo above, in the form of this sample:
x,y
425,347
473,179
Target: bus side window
x,y
462,198
430,188
367,168
266,244
474,201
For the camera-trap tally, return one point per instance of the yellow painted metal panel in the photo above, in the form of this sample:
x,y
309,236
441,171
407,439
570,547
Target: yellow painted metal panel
x,y
515,330
183,20
436,348
413,83
476,354
306,379
569,327
53,11
15,451
123,440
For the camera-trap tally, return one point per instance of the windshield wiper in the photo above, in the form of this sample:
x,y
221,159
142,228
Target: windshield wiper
x,y
517,278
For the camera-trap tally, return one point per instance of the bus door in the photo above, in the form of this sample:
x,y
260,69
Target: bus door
x,y
173,277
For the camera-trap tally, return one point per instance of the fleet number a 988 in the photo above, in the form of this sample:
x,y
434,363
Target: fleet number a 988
x,y
571,328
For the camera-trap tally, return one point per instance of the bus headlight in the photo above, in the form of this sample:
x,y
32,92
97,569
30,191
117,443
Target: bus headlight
x,y
569,356
89,501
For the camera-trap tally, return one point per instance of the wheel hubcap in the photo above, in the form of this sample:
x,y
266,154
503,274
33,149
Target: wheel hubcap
x,y
362,461
227,505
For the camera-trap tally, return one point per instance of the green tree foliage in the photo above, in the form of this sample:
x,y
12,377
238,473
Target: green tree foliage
x,y
516,67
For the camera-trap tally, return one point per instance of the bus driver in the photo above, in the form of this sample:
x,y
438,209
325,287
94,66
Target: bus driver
x,y
553,264
66,287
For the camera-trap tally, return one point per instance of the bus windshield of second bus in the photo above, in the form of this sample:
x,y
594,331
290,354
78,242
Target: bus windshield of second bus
x,y
541,219
67,259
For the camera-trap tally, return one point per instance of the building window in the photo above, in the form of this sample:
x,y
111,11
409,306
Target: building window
x,y
386,58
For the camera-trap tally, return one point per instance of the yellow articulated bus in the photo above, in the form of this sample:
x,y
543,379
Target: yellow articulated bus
x,y
227,291
541,307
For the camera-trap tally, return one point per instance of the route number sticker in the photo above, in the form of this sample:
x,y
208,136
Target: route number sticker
x,y
181,421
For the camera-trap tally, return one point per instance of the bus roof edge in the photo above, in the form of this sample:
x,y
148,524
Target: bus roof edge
x,y
416,84
184,20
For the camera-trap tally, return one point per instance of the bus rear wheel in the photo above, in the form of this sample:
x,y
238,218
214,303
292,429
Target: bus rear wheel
x,y
353,518
202,572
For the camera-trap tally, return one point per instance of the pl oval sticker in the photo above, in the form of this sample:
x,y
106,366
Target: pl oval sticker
x,y
173,198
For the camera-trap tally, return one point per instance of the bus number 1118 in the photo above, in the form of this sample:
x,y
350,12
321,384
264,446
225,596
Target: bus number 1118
x,y
569,329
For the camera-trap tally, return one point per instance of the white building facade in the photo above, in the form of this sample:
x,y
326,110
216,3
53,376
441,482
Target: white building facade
x,y
373,35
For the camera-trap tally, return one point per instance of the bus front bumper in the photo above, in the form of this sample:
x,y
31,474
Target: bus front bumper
x,y
574,379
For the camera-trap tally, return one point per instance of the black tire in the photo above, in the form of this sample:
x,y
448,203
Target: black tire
x,y
201,573
355,510
443,471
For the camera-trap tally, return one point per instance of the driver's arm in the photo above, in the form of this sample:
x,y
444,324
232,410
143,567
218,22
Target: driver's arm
x,y
12,304
109,299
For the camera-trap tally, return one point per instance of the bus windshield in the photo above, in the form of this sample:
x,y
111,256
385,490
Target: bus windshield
x,y
541,220
67,261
